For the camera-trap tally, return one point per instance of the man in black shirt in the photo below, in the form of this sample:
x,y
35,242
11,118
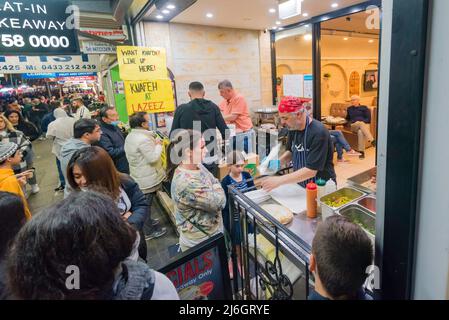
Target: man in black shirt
x,y
309,147
208,117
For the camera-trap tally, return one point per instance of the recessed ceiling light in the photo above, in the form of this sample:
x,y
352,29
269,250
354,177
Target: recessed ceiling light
x,y
371,41
305,14
334,5
307,37
171,7
166,11
272,10
209,15
159,16
278,23
345,38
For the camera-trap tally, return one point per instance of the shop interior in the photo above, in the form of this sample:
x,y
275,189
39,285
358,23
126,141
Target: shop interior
x,y
349,58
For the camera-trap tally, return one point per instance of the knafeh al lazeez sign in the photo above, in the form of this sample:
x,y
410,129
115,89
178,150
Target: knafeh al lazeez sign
x,y
32,27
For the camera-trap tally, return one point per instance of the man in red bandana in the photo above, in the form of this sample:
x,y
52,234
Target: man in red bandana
x,y
309,146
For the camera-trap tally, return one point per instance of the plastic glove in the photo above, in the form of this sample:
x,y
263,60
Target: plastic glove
x,y
274,165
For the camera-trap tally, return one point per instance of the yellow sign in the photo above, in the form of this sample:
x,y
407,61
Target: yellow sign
x,y
152,96
139,63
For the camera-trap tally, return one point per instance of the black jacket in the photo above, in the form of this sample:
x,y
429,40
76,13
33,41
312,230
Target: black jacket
x,y
28,129
139,204
199,110
113,142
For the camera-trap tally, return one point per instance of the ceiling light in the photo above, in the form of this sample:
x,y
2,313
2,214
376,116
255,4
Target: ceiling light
x,y
171,7
159,16
305,14
289,9
278,23
345,38
334,5
166,11
272,10
307,37
371,41
209,15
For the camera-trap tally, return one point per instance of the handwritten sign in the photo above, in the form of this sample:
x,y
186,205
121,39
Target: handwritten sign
x,y
139,63
152,96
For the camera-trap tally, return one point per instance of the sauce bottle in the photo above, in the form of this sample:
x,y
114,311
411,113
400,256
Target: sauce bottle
x,y
312,193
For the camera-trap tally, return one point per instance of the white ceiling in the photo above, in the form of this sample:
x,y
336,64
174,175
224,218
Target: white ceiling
x,y
252,14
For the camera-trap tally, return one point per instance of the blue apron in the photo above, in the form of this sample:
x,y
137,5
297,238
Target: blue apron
x,y
300,154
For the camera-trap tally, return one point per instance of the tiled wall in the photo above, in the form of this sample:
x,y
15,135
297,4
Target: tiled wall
x,y
210,55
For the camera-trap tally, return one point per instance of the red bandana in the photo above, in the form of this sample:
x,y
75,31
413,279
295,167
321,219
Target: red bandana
x,y
292,104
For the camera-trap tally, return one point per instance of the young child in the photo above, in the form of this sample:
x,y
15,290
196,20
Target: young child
x,y
241,180
341,254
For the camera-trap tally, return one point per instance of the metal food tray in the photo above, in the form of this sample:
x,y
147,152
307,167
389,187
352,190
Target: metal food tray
x,y
352,193
355,211
370,198
362,178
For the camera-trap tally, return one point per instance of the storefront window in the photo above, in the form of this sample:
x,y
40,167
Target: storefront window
x,y
294,62
349,62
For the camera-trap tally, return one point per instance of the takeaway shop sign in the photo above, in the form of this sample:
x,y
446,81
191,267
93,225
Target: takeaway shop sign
x,y
38,27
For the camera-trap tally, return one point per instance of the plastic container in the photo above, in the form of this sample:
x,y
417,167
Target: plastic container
x,y
331,187
312,193
321,192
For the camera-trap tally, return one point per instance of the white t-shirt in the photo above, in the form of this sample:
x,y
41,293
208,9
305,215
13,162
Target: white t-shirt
x,y
123,203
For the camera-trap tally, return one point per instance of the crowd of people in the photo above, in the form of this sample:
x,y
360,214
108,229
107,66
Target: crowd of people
x,y
110,179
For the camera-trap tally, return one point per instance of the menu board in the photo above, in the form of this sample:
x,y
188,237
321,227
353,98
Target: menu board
x,y
201,273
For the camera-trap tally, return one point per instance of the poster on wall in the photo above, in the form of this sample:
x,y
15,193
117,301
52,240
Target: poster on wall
x,y
293,85
371,80
141,63
308,86
152,96
119,87
36,27
201,273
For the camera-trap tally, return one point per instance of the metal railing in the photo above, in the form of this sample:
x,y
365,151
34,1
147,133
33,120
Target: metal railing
x,y
270,262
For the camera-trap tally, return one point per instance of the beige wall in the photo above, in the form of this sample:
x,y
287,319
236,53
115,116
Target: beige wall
x,y
210,55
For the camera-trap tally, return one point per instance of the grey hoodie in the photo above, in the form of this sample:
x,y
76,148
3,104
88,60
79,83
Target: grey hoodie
x,y
67,151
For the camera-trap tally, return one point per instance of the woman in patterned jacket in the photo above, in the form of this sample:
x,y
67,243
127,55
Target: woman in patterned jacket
x,y
198,195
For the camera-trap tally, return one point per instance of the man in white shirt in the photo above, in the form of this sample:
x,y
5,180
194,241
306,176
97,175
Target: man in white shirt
x,y
81,111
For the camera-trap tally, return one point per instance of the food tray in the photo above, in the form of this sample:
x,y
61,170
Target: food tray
x,y
360,216
351,194
369,203
363,182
